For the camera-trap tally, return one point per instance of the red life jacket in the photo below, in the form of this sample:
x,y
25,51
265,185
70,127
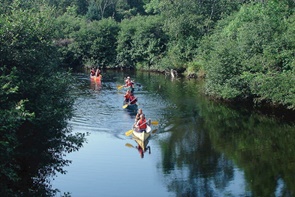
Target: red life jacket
x,y
129,83
132,99
142,124
127,96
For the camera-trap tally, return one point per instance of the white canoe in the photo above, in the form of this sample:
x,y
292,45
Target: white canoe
x,y
142,144
142,135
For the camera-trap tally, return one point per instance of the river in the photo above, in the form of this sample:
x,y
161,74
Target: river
x,y
199,148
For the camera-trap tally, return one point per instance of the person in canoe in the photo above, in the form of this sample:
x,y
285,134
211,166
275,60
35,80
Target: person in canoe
x,y
141,124
137,117
129,84
132,98
97,72
92,71
127,96
127,79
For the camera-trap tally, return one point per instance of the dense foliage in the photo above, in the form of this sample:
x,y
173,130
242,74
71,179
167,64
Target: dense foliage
x,y
87,44
250,55
141,42
35,103
243,48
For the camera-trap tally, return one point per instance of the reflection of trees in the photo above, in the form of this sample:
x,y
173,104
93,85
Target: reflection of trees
x,y
34,161
190,163
261,146
208,140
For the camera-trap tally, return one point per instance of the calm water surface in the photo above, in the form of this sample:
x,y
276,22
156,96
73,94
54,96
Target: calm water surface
x,y
199,148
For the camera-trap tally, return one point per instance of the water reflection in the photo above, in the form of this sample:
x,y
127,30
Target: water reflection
x,y
27,169
201,148
141,147
95,84
215,150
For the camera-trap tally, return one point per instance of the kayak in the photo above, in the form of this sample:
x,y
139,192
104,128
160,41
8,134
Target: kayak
x,y
142,135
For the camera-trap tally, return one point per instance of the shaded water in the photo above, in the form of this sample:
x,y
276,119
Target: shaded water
x,y
199,148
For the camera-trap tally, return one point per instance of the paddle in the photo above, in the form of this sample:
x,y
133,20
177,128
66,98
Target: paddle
x,y
120,87
127,133
154,122
129,145
126,105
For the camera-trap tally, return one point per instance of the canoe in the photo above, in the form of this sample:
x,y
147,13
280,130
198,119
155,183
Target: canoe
x,y
132,107
125,88
142,144
142,135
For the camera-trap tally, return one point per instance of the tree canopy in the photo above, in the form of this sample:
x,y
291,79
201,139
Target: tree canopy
x,y
244,50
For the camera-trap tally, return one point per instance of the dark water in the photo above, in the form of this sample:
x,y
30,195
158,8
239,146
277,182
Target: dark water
x,y
199,148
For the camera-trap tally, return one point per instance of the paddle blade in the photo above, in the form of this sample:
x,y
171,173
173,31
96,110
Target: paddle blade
x,y
129,145
124,106
127,133
120,87
154,122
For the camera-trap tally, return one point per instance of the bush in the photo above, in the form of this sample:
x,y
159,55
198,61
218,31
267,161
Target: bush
x,y
249,55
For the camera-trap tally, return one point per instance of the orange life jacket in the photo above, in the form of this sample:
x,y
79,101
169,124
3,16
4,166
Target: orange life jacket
x,y
127,96
132,99
142,124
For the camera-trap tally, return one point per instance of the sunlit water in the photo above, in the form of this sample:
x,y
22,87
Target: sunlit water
x,y
105,166
182,161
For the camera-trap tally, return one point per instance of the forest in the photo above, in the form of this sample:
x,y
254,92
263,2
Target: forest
x,y
242,49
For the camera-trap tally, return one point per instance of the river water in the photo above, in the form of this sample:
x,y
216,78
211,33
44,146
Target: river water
x,y
199,148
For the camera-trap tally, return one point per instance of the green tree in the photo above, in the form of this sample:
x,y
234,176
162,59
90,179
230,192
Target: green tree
x,y
99,9
89,43
103,48
141,41
61,6
93,11
35,102
186,23
249,55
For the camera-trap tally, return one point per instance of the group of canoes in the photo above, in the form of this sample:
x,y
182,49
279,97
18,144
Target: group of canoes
x,y
141,128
